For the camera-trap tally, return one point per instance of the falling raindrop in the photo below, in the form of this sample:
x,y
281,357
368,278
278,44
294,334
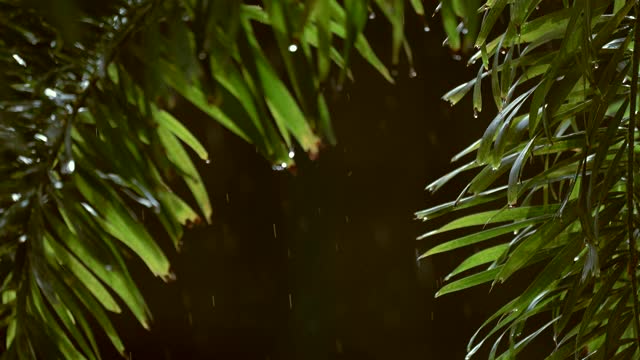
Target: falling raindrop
x,y
69,167
293,48
22,238
213,301
412,73
227,197
19,60
275,233
89,209
16,196
50,93
290,302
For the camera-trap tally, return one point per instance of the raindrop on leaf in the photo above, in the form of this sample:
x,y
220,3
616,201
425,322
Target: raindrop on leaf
x,y
19,60
41,137
69,167
50,93
292,48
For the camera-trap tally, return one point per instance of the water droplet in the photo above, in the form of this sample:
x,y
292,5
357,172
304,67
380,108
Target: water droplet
x,y
372,15
69,167
426,28
16,196
293,48
208,161
41,137
202,55
464,31
84,84
290,302
50,93
171,276
596,66
89,209
53,44
25,160
412,73
108,267
456,57
19,60
576,258
22,238
292,154
503,51
57,185
283,165
475,113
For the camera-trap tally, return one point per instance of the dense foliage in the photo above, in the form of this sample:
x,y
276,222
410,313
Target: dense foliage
x,y
555,185
88,138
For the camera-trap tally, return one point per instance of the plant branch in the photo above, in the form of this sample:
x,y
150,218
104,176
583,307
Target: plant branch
x,y
108,56
633,256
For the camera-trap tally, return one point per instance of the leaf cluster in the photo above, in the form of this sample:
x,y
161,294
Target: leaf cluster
x,y
90,141
555,185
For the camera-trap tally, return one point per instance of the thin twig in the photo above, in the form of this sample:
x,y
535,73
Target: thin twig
x,y
633,261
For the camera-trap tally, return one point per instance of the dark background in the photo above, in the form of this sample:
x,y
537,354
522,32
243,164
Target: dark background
x,y
337,237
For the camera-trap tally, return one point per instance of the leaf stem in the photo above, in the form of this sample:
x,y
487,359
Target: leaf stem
x,y
633,261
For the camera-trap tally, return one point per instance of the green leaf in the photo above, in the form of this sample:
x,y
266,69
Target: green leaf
x,y
480,258
469,281
118,222
179,157
170,123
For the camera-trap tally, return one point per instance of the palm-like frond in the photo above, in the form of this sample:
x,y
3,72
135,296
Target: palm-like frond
x,y
88,138
555,186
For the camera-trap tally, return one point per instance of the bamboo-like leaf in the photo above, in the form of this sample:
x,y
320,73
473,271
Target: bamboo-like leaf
x,y
119,223
469,281
516,171
480,258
